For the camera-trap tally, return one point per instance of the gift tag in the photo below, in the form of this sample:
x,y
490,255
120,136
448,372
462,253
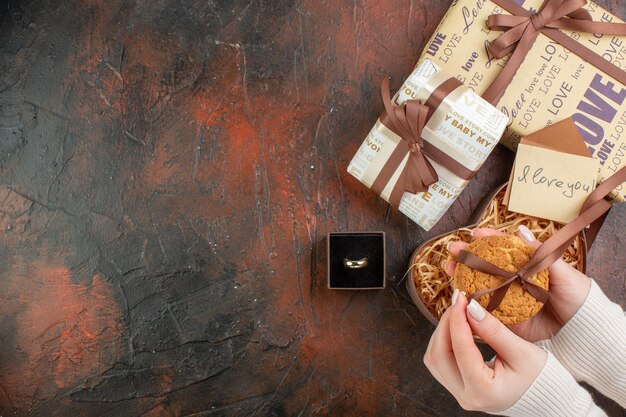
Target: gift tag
x,y
550,184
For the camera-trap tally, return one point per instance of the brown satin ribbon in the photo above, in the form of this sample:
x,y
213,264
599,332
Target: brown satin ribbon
x,y
522,29
479,264
440,93
550,251
408,121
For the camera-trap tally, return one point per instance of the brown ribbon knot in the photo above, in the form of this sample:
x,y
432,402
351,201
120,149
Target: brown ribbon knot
x,y
408,121
548,252
552,15
499,291
522,29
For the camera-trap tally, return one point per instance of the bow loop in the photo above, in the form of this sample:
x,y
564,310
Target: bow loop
x,y
499,292
521,28
408,121
554,14
408,166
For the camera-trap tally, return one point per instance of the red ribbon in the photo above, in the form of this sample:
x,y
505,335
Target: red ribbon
x,y
522,29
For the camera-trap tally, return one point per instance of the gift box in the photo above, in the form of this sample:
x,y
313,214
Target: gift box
x,y
459,131
546,67
356,260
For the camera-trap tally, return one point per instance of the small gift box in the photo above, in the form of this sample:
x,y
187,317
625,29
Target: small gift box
x,y
428,144
541,62
356,260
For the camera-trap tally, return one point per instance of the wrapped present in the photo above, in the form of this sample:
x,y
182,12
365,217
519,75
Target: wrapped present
x,y
428,144
541,62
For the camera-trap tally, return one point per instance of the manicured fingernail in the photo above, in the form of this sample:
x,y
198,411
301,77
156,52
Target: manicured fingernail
x,y
448,246
528,235
455,296
476,310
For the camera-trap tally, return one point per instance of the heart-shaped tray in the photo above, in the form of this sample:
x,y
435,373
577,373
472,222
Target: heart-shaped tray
x,y
429,286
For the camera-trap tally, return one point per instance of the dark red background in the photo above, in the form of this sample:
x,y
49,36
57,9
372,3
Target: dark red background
x,y
169,171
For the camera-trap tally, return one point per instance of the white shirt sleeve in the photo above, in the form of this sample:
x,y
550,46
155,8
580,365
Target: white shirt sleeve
x,y
592,345
554,393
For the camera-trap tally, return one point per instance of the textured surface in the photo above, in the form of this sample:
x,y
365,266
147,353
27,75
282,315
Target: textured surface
x,y
169,171
510,254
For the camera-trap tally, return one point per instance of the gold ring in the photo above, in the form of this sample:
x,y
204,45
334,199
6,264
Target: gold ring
x,y
357,264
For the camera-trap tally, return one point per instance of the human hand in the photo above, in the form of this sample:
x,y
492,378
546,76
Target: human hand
x,y
453,358
568,290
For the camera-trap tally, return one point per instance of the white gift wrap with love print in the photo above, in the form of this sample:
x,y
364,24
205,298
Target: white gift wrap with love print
x,y
464,126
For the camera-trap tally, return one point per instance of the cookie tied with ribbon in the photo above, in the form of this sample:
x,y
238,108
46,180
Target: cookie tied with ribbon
x,y
549,252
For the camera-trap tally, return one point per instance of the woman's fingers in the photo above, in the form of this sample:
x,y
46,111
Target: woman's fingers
x,y
485,231
440,359
526,235
455,361
455,247
468,358
449,267
559,270
507,344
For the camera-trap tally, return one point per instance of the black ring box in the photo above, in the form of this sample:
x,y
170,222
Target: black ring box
x,y
354,246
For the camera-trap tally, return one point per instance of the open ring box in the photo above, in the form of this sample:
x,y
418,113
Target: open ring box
x,y
345,249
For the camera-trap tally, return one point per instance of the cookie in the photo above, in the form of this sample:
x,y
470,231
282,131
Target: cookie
x,y
509,253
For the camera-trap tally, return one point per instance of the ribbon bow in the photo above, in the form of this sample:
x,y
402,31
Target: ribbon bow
x,y
527,28
595,206
500,290
522,29
408,121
